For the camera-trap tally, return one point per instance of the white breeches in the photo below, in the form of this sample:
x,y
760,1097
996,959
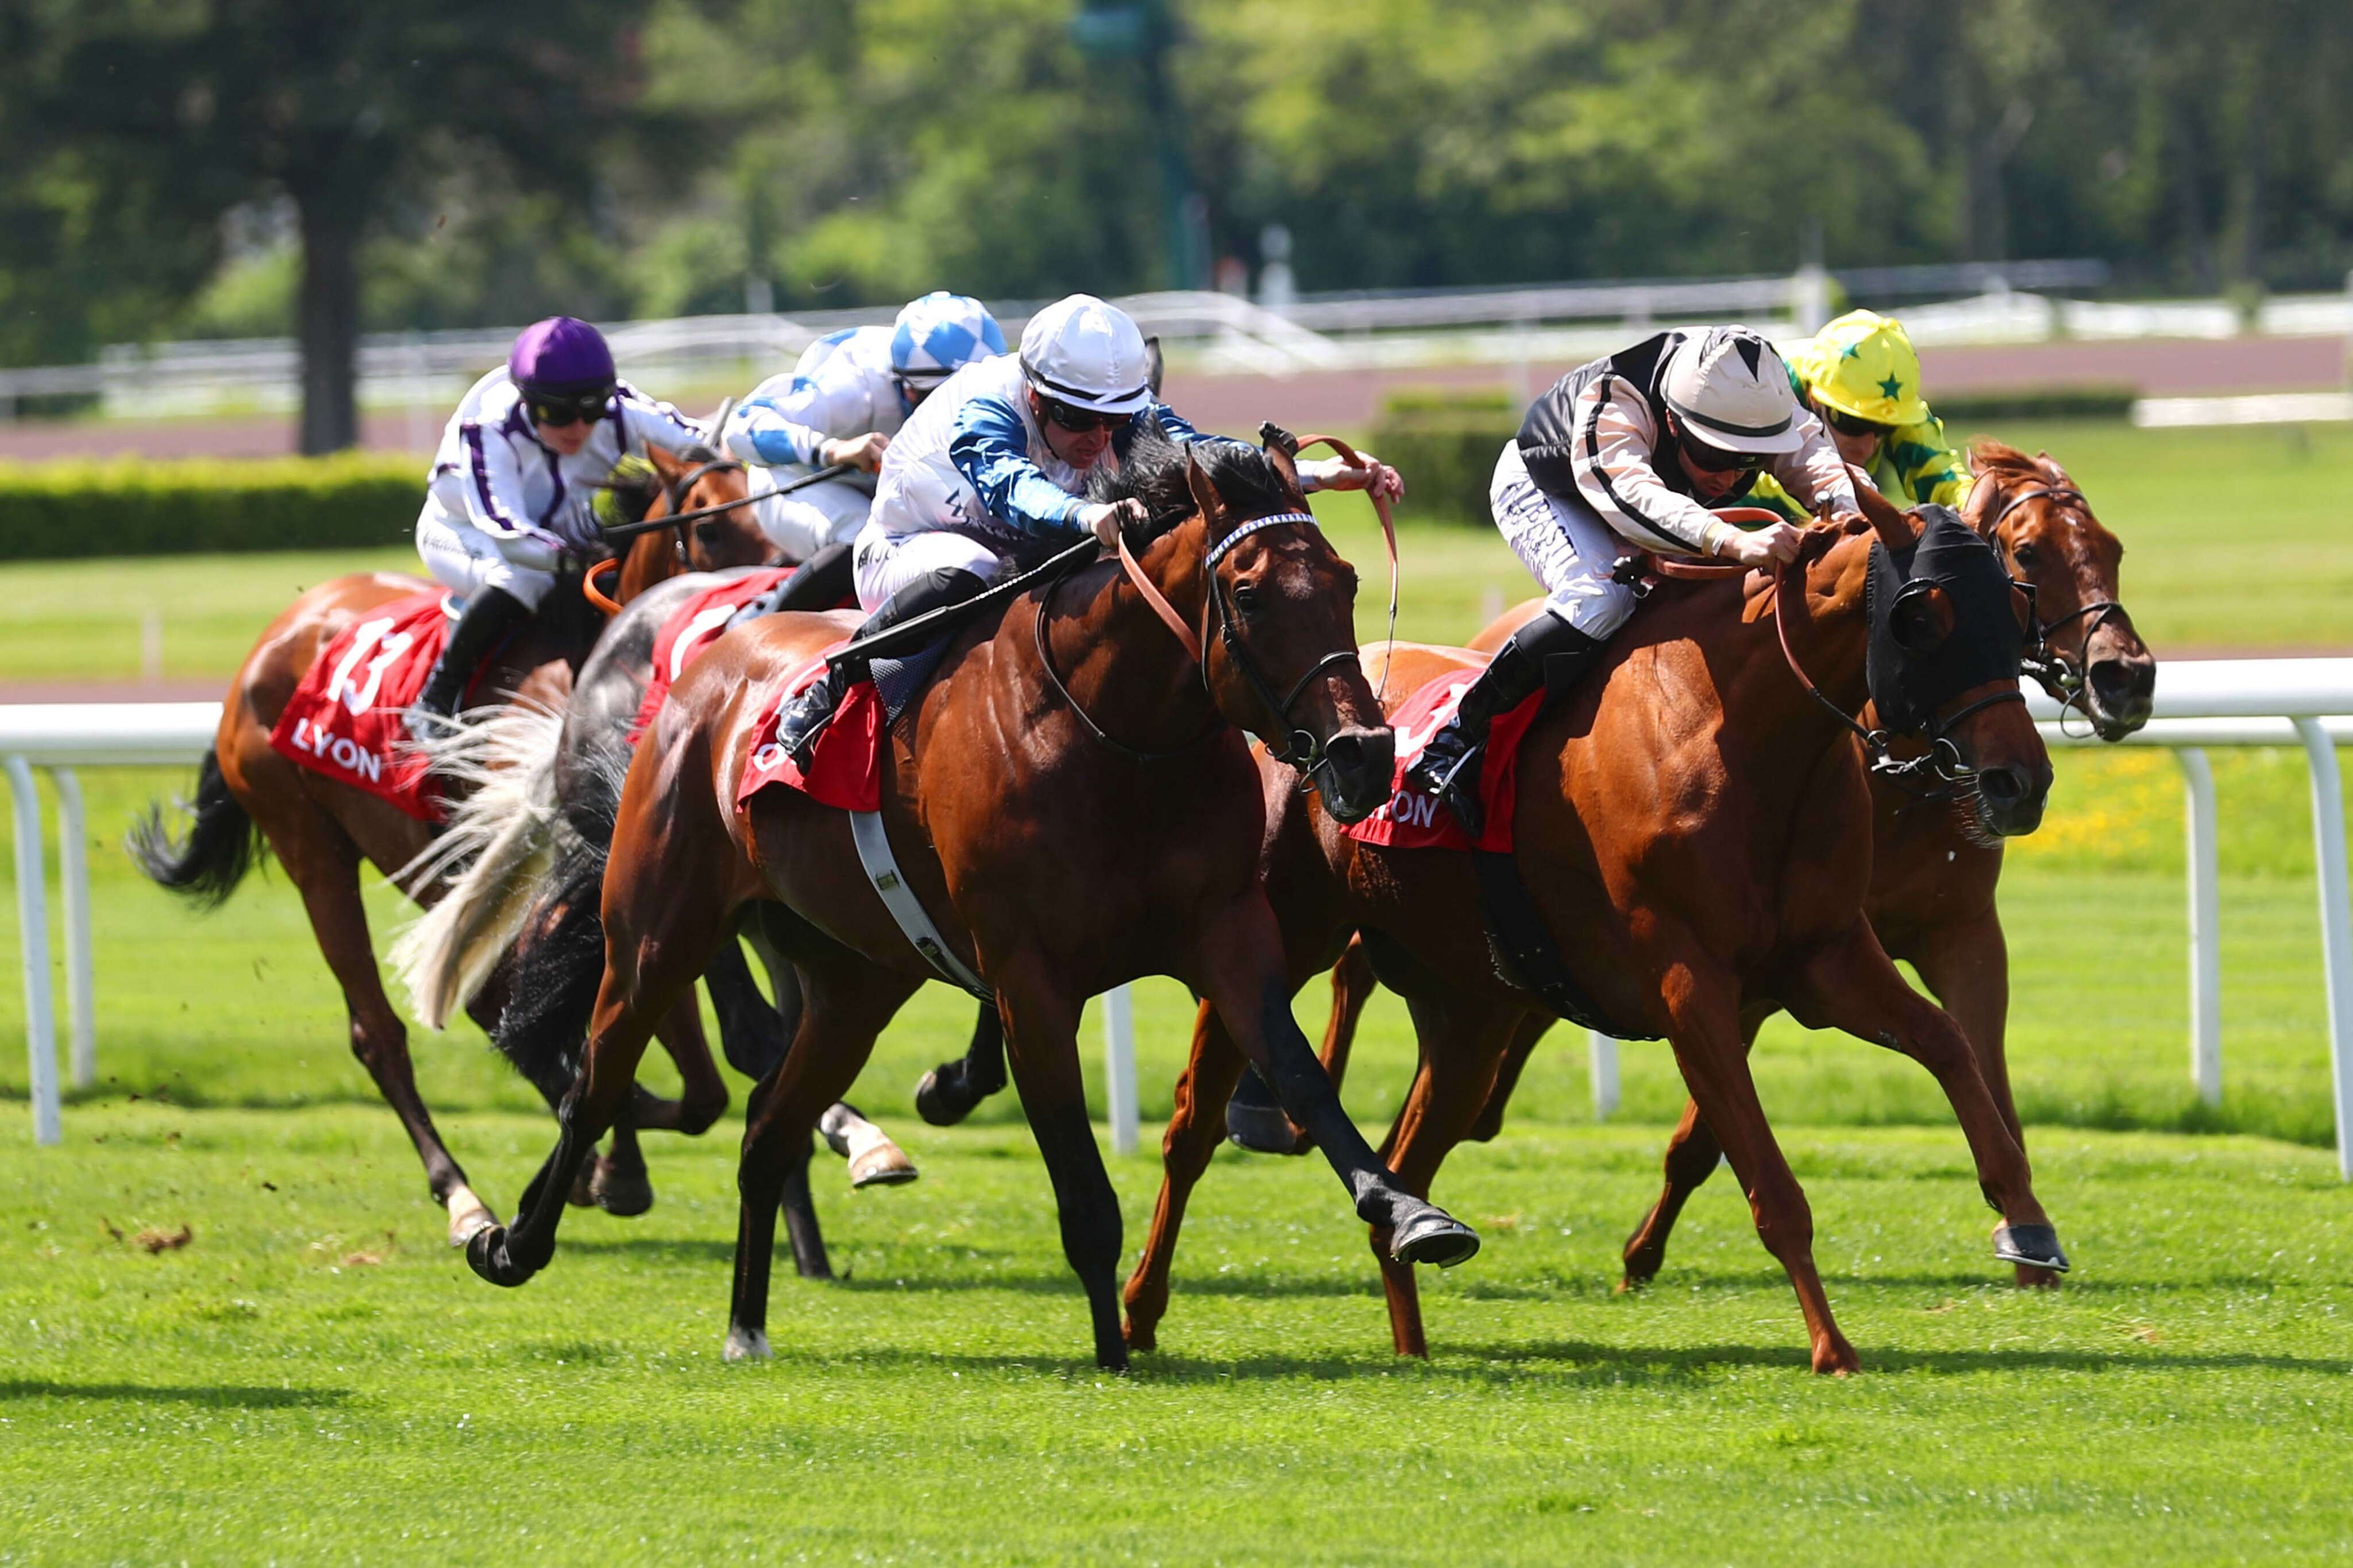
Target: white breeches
x,y
465,560
1564,545
807,520
883,563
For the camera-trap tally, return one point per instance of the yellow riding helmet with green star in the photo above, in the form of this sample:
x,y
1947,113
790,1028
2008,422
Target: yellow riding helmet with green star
x,y
1862,364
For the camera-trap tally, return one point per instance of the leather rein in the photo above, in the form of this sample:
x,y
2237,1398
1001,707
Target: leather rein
x,y
2060,674
1301,749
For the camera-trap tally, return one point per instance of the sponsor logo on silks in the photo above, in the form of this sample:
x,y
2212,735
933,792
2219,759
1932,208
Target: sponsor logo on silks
x,y
1409,808
342,749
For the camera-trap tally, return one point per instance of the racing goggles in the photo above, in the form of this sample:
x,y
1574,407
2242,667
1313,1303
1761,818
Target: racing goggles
x,y
1848,424
1071,417
560,408
1716,460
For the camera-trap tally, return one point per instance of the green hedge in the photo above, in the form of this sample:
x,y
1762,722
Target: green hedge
x,y
129,507
1445,444
2098,401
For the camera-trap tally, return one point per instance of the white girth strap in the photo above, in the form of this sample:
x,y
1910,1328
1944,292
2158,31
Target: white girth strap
x,y
882,870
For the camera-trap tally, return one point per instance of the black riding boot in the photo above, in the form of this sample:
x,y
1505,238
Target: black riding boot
x,y
805,719
1546,652
821,582
490,613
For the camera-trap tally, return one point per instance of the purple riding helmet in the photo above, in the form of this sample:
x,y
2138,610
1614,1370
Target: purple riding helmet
x,y
564,364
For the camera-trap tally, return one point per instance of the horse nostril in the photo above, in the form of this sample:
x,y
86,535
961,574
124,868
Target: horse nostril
x,y
1355,751
2118,683
2003,786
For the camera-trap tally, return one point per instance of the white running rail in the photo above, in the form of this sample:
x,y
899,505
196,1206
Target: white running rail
x,y
2305,702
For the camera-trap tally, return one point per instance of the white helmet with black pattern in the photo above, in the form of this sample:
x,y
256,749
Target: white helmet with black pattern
x,y
1083,352
1728,388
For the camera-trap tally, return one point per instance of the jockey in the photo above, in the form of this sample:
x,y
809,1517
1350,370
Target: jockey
x,y
1631,452
997,460
1861,375
513,482
841,403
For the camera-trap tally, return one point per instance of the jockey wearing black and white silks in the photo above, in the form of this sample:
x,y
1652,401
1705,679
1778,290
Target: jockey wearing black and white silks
x,y
1631,452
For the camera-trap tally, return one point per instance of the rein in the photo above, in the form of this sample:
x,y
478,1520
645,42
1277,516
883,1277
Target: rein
x,y
2060,674
631,530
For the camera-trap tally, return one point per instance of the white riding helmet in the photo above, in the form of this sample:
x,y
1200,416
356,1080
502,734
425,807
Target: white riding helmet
x,y
1084,352
1729,388
941,334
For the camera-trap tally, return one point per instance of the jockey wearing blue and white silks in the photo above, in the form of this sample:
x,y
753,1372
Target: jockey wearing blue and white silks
x,y
514,478
999,455
842,403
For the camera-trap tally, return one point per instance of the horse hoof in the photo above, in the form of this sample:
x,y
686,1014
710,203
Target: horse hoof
x,y
623,1194
945,1098
1260,1128
2035,1245
468,1215
875,1160
487,1255
883,1166
1433,1235
744,1344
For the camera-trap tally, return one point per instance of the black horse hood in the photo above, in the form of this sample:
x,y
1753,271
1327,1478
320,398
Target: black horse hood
x,y
1910,683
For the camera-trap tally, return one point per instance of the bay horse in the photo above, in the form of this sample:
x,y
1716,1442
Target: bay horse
x,y
249,798
1932,880
1072,803
1693,833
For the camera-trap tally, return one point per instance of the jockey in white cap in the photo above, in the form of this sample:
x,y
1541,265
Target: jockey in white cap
x,y
1631,452
998,457
513,481
841,405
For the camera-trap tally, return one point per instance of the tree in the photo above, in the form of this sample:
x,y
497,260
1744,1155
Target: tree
x,y
205,103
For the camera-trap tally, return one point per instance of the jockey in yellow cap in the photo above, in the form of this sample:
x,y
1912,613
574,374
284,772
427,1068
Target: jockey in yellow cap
x,y
1861,375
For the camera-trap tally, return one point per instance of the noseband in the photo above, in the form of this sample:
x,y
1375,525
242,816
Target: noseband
x,y
2060,674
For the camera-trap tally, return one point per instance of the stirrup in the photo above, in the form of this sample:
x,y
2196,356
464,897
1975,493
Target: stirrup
x,y
1458,794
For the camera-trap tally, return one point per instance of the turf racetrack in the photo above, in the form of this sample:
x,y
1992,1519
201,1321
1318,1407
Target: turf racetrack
x,y
312,1375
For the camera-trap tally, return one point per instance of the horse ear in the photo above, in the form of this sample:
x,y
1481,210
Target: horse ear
x,y
1286,469
1206,499
667,466
1896,529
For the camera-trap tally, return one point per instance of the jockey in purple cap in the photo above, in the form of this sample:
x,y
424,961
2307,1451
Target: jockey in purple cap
x,y
513,483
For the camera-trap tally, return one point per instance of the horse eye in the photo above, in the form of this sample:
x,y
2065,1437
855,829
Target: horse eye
x,y
1246,599
2024,554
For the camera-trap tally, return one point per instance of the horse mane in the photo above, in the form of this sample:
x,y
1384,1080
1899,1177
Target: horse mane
x,y
1152,470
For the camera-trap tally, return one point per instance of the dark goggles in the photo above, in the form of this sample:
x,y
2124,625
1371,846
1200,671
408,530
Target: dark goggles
x,y
559,409
1848,424
1071,417
1716,460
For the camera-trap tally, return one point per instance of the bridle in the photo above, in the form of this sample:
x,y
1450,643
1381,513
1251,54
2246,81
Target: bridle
x,y
1302,749
2063,677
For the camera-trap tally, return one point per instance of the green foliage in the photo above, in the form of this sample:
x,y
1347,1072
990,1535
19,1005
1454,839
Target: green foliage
x,y
355,500
1446,441
2039,402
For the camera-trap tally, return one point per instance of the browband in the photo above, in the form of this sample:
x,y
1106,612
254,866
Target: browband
x,y
1246,530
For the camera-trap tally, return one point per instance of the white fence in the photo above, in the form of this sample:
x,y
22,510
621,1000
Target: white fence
x,y
2306,702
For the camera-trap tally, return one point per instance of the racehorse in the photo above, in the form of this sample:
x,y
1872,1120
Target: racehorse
x,y
1071,802
1932,882
248,796
1692,834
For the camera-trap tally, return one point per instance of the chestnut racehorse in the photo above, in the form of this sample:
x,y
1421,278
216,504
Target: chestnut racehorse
x,y
1932,880
321,830
1692,829
1071,800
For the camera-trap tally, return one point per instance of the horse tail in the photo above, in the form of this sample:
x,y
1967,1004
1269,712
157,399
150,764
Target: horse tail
x,y
559,963
221,846
497,844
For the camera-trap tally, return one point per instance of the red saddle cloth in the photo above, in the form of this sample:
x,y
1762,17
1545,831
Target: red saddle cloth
x,y
693,627
344,719
846,769
1412,820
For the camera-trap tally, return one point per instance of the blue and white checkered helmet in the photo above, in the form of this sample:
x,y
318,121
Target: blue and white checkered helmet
x,y
939,335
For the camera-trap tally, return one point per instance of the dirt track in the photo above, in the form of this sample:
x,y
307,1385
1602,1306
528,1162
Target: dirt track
x,y
1347,400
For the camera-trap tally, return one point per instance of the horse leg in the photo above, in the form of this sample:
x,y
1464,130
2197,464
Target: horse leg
x,y
324,863
1693,1154
1715,1062
949,1092
1353,984
1851,985
1531,1029
1966,964
756,1042
1462,1046
703,1093
1239,958
846,1001
1197,1124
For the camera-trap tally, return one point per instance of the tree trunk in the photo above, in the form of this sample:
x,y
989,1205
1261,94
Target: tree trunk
x,y
328,320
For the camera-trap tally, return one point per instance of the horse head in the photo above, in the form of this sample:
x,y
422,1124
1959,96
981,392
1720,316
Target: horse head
x,y
1946,640
1277,605
2089,656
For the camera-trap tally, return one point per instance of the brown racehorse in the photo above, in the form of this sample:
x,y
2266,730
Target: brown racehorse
x,y
1693,828
1932,882
321,830
1073,803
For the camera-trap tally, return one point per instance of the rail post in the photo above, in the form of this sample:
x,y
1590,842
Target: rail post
x,y
33,938
2336,924
73,882
2205,924
1119,1067
1601,1058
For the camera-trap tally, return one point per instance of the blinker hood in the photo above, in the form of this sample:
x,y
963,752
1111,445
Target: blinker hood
x,y
1910,686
